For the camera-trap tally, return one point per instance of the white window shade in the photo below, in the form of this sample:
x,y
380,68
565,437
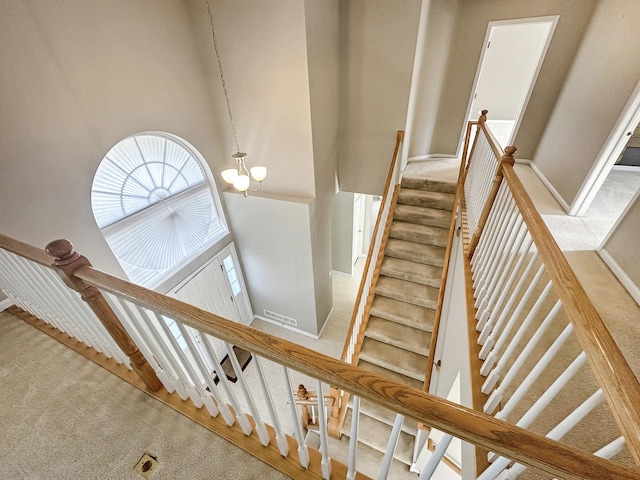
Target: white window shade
x,y
154,205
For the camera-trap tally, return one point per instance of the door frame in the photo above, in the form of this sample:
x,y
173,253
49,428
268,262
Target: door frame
x,y
553,19
606,159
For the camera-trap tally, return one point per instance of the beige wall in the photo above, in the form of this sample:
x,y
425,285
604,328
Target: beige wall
x,y
322,29
602,78
77,77
342,232
472,24
377,40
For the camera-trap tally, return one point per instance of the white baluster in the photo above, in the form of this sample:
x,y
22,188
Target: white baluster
x,y
611,449
490,235
491,329
560,430
533,375
498,281
241,416
325,464
504,335
391,448
436,457
500,463
260,427
353,439
303,450
281,438
193,385
219,405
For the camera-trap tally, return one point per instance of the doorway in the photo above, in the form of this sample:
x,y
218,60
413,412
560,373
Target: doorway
x,y
511,59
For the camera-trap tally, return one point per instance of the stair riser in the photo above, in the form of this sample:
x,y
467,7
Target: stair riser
x,y
420,351
436,261
422,184
410,277
429,218
409,315
432,238
423,201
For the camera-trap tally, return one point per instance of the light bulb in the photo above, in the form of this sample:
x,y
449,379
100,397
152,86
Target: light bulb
x,y
241,182
229,175
259,173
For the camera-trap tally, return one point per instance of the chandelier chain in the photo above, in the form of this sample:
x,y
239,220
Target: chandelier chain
x,y
224,84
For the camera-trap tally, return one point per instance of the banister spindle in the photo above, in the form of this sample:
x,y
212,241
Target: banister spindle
x,y
67,261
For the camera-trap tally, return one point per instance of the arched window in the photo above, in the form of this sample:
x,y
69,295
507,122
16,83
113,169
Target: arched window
x,y
155,206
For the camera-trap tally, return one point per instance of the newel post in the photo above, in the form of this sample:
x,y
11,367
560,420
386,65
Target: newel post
x,y
67,261
506,159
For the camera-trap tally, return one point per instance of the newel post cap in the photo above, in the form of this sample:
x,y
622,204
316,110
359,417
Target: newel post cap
x,y
62,251
483,116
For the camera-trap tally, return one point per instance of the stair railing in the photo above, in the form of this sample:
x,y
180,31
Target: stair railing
x,y
360,316
531,320
246,412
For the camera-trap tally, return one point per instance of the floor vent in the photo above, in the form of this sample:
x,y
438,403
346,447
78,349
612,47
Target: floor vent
x,y
280,318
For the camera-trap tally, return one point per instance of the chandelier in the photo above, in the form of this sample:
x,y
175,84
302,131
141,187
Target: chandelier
x,y
240,176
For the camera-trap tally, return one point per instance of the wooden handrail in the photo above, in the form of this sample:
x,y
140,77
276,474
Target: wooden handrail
x,y
618,382
445,265
493,141
367,265
467,424
25,250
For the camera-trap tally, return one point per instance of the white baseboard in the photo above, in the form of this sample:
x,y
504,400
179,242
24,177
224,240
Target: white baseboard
x,y
626,168
431,156
4,304
624,279
290,327
546,183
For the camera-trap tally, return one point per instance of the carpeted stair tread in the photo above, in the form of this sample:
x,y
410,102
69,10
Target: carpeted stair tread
x,y
391,374
377,436
383,415
410,292
415,252
422,215
400,312
369,459
419,233
416,183
411,271
400,336
423,198
390,357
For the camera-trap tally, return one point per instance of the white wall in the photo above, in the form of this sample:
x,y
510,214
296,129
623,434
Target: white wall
x,y
77,77
602,78
377,40
470,27
274,241
342,232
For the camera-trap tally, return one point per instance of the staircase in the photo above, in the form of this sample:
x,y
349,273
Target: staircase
x,y
398,333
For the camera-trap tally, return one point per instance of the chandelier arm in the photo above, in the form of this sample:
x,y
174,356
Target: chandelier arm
x,y
224,84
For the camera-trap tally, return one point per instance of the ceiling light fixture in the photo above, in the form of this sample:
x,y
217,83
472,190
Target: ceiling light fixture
x,y
240,177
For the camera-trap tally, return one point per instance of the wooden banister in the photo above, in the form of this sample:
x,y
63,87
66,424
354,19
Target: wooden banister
x,y
367,265
465,423
620,386
66,262
25,250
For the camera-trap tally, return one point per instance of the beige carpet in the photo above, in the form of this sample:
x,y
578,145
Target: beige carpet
x,y
62,416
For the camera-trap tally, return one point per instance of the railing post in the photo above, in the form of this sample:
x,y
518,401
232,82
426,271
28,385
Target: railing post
x,y
67,261
507,159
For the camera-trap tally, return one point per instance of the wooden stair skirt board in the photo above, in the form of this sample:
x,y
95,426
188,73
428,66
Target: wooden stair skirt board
x,y
397,338
243,357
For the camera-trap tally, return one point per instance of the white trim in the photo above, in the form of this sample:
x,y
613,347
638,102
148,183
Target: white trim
x,y
624,279
290,327
546,183
553,19
431,156
611,150
626,168
326,321
338,272
4,304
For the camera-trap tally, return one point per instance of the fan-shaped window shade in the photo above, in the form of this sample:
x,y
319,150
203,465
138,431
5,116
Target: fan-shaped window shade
x,y
153,203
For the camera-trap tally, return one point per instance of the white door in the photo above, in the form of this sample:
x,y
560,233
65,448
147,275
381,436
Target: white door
x,y
208,289
513,54
358,226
